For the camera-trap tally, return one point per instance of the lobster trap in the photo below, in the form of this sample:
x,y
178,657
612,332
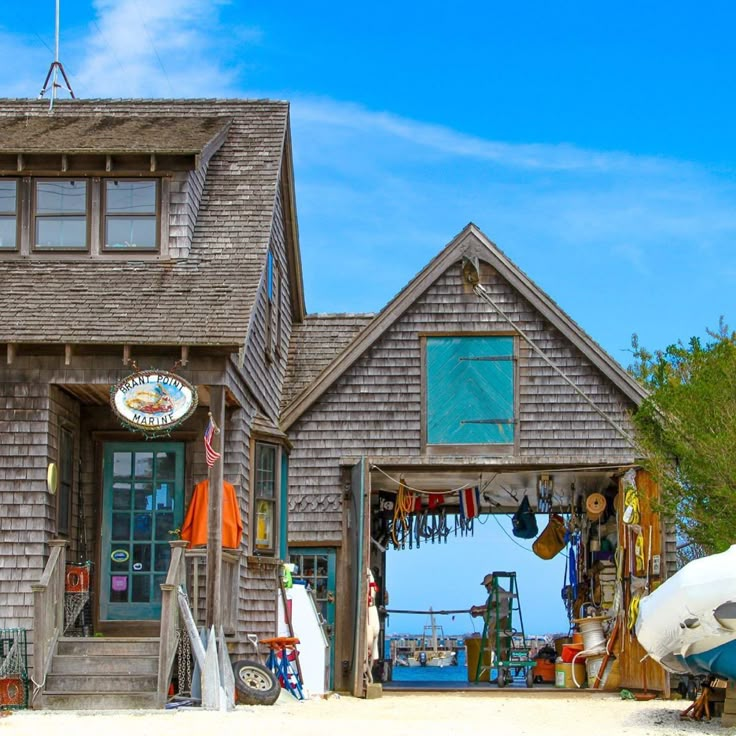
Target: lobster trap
x,y
78,599
13,669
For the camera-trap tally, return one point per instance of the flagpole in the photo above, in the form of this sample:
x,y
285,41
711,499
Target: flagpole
x,y
215,477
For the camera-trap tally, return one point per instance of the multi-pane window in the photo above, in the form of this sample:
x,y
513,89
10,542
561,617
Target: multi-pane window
x,y
60,214
66,482
470,390
92,214
264,497
130,220
8,214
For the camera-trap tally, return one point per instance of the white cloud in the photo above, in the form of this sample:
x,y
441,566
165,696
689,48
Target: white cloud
x,y
166,48
339,117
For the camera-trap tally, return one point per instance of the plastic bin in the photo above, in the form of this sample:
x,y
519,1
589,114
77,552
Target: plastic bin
x,y
564,675
472,652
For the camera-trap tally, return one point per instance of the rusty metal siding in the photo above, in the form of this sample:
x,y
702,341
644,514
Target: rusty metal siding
x,y
374,408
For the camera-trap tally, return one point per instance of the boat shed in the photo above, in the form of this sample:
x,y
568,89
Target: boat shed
x,y
471,377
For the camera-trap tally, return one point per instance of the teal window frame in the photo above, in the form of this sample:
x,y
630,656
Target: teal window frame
x,y
470,390
266,480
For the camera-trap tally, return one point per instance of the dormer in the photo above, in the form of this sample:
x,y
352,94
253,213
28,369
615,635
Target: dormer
x,y
103,186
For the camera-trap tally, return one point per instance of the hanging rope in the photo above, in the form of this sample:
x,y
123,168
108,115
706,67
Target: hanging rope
x,y
481,292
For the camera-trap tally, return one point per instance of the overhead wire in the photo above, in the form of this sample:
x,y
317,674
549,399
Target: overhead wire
x,y
153,46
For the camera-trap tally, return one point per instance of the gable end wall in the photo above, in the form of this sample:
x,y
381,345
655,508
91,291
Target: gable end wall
x,y
374,408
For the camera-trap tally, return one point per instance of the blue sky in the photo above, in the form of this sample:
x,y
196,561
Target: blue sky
x,y
592,142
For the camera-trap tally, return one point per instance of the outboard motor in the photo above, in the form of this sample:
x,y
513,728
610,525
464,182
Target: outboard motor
x,y
422,659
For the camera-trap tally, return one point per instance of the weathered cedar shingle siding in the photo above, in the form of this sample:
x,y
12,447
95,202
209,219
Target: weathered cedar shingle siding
x,y
374,408
267,375
205,298
184,198
314,344
28,510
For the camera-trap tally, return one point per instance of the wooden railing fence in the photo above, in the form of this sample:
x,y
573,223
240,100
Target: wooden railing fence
x,y
48,611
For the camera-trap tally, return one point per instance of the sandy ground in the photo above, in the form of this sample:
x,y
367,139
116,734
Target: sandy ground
x,y
441,714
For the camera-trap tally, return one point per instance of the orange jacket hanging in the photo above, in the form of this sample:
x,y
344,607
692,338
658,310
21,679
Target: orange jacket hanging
x,y
194,529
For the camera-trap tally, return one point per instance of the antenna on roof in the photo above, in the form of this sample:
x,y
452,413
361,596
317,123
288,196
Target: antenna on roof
x,y
52,77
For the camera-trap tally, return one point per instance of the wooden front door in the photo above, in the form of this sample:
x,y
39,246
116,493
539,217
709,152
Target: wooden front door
x,y
143,501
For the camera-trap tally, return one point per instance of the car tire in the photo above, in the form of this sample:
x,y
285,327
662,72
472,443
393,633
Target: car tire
x,y
254,683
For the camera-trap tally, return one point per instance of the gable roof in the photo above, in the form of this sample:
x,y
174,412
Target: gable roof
x,y
469,242
314,344
204,299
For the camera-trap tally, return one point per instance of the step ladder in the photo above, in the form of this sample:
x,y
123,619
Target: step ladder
x,y
503,644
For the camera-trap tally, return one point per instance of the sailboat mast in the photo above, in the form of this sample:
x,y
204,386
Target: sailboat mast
x,y
434,630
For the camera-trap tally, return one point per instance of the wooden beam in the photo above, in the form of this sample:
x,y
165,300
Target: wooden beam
x,y
64,162
67,354
108,162
153,162
184,355
126,354
11,352
20,163
213,607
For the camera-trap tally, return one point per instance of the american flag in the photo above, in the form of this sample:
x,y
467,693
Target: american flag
x,y
209,453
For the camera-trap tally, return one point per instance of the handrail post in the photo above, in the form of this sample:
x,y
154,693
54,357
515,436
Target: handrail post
x,y
169,617
48,609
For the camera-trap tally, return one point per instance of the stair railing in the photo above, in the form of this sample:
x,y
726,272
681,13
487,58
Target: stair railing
x,y
168,641
48,611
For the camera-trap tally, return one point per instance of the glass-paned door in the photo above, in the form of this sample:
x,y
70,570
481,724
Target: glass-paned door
x,y
317,567
143,500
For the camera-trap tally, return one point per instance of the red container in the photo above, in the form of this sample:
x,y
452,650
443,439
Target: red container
x,y
569,651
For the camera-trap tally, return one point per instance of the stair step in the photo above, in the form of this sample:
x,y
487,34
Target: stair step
x,y
104,664
99,701
100,683
108,645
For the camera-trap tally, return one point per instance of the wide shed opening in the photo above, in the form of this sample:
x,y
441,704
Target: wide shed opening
x,y
507,577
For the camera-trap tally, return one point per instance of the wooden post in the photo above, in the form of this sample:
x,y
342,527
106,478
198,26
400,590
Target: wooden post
x,y
215,475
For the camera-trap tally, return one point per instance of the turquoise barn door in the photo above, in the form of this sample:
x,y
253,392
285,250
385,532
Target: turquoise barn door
x,y
143,502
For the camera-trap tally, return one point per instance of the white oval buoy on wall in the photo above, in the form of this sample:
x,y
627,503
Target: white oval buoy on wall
x,y
52,478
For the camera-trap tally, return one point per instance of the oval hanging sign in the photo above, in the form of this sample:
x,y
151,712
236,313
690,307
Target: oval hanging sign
x,y
153,402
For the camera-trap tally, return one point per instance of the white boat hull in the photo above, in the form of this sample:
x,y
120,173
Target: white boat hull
x,y
688,624
434,659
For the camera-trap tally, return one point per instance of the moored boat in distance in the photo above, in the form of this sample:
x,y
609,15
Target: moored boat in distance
x,y
432,650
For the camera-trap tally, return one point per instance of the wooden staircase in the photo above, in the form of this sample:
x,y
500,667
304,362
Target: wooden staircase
x,y
102,674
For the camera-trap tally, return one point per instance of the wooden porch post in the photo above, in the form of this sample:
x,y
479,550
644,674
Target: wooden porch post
x,y
213,609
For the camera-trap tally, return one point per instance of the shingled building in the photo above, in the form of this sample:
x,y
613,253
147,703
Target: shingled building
x,y
139,236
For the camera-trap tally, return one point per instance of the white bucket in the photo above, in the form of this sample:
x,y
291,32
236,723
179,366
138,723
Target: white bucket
x,y
593,666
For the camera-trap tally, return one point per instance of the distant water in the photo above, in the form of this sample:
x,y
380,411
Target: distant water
x,y
457,673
